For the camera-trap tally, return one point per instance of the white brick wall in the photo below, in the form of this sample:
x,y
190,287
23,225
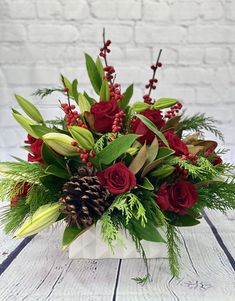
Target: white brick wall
x,y
40,39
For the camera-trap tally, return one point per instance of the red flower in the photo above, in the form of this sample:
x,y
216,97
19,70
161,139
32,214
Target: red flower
x,y
177,197
35,154
216,159
104,114
139,128
22,194
176,143
117,178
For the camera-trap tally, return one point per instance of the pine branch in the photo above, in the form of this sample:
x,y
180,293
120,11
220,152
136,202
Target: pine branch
x,y
200,123
45,92
173,249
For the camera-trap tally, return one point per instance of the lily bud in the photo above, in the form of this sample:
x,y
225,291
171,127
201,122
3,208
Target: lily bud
x,y
83,103
60,143
43,218
132,150
163,172
140,106
83,136
29,109
25,123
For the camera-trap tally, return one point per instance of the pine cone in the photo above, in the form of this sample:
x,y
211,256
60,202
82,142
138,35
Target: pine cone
x,y
84,200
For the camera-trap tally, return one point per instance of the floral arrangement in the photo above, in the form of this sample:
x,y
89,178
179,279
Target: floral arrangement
x,y
136,167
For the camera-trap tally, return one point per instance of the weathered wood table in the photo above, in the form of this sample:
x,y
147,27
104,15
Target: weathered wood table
x,y
36,269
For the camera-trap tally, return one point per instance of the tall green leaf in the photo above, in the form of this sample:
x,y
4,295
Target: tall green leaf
x,y
29,109
164,103
153,128
93,73
75,90
100,67
115,149
104,91
123,103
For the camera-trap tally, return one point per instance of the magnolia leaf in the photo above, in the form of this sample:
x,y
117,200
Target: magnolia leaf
x,y
83,103
100,67
183,221
153,128
29,109
115,149
75,90
146,184
163,153
191,139
104,91
172,123
71,233
123,103
67,84
152,151
163,171
57,171
93,73
164,103
50,157
41,130
140,106
139,160
90,119
89,99
194,150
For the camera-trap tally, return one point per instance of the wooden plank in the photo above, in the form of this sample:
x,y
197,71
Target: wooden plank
x,y
43,272
206,273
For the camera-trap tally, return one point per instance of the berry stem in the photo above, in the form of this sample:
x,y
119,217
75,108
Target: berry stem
x,y
104,42
155,70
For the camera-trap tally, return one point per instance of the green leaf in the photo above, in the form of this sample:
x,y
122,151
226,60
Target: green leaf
x,y
123,103
153,128
93,73
152,151
164,103
50,157
26,123
183,221
139,160
83,103
89,99
104,91
67,84
52,182
71,233
75,90
163,171
57,171
149,232
146,184
100,67
115,149
29,109
41,130
163,153
140,106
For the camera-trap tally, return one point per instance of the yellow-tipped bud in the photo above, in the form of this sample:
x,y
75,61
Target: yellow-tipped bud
x,y
83,137
43,218
60,143
25,123
29,109
83,103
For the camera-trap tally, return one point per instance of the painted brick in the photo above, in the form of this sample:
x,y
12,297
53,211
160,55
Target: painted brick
x,y
129,10
12,33
157,12
49,9
75,10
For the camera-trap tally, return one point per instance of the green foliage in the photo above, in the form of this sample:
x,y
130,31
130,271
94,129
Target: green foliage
x,y
102,142
123,103
164,103
71,233
104,91
45,92
173,249
200,123
108,229
93,73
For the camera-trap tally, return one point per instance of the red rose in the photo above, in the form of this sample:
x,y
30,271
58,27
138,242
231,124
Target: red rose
x,y
177,197
104,114
35,154
176,143
20,195
117,178
139,128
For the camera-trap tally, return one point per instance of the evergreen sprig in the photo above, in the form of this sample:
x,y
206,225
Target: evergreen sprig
x,y
45,92
201,123
173,249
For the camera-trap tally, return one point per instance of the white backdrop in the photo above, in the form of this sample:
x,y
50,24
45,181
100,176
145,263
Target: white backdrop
x,y
41,39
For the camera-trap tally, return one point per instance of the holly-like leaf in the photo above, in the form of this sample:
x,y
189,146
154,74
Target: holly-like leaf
x,y
153,128
115,149
104,91
71,233
139,160
93,73
123,103
163,153
164,103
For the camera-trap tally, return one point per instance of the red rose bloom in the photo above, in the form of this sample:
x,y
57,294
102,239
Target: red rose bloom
x,y
117,178
176,143
139,128
177,197
35,154
104,114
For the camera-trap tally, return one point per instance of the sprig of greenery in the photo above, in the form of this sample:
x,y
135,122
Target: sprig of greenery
x,y
173,249
102,142
201,123
45,92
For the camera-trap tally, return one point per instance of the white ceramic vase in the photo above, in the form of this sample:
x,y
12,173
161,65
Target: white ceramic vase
x,y
90,245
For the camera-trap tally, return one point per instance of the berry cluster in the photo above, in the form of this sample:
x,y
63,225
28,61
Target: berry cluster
x,y
105,49
115,92
85,154
72,116
173,110
191,157
109,71
181,172
118,123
